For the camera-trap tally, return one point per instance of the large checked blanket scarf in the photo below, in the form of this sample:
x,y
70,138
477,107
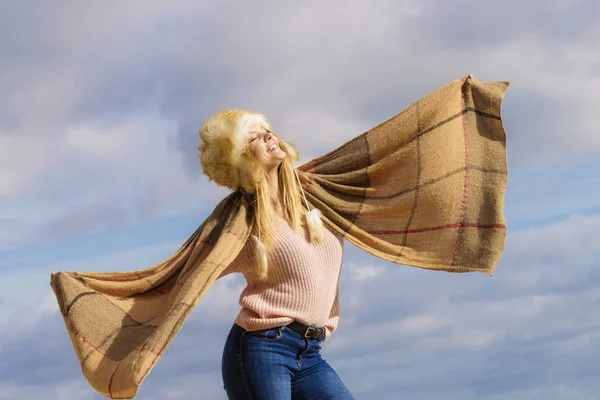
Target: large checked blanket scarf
x,y
425,189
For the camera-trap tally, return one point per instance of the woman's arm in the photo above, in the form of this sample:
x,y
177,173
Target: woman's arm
x,y
239,264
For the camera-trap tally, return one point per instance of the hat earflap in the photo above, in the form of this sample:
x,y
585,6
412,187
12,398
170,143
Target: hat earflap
x,y
313,218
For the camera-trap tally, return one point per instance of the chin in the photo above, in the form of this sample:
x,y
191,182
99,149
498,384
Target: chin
x,y
281,156
280,162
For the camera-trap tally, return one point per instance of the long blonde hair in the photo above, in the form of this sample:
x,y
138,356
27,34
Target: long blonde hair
x,y
226,159
291,201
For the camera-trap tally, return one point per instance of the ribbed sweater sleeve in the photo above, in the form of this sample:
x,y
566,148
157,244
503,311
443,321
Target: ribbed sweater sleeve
x,y
240,264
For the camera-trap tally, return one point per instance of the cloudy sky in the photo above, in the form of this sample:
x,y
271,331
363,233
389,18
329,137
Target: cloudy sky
x,y
101,103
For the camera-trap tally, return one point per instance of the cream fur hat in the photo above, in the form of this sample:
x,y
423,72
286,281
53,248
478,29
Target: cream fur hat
x,y
221,152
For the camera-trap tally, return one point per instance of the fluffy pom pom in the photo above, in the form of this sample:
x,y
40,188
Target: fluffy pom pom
x,y
315,225
260,258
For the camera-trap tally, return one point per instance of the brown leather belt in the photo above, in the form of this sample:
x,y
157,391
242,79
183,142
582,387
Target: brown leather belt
x,y
309,332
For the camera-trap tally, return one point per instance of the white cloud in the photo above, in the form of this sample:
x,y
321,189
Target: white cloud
x,y
69,390
361,272
49,304
22,160
96,177
563,73
113,142
560,242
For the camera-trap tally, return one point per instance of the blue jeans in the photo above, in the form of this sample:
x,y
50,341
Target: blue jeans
x,y
277,364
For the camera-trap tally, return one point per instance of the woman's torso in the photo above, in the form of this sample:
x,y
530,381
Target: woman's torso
x,y
302,281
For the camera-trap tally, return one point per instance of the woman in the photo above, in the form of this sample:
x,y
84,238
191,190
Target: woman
x,y
292,268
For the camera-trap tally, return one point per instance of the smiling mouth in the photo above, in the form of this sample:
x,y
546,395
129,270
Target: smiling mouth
x,y
272,147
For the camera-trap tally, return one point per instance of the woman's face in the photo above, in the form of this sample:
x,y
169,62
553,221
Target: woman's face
x,y
264,147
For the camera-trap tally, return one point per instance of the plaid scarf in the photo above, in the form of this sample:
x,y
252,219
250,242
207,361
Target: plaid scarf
x,y
425,189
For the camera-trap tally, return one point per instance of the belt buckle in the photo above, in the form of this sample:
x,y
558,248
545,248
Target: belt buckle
x,y
308,330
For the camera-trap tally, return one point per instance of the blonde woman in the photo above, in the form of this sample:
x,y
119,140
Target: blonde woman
x,y
292,267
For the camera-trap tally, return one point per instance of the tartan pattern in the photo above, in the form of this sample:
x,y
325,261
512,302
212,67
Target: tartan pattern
x,y
425,188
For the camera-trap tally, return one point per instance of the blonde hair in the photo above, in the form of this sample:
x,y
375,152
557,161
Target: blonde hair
x,y
226,159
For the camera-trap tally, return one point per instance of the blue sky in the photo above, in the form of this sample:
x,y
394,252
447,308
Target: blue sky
x,y
100,110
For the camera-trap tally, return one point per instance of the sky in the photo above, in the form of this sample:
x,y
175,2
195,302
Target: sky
x,y
99,117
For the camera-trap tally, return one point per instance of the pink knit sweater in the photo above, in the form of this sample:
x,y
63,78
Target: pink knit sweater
x,y
302,283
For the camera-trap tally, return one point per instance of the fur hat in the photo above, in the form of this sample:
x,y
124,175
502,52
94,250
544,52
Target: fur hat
x,y
222,150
